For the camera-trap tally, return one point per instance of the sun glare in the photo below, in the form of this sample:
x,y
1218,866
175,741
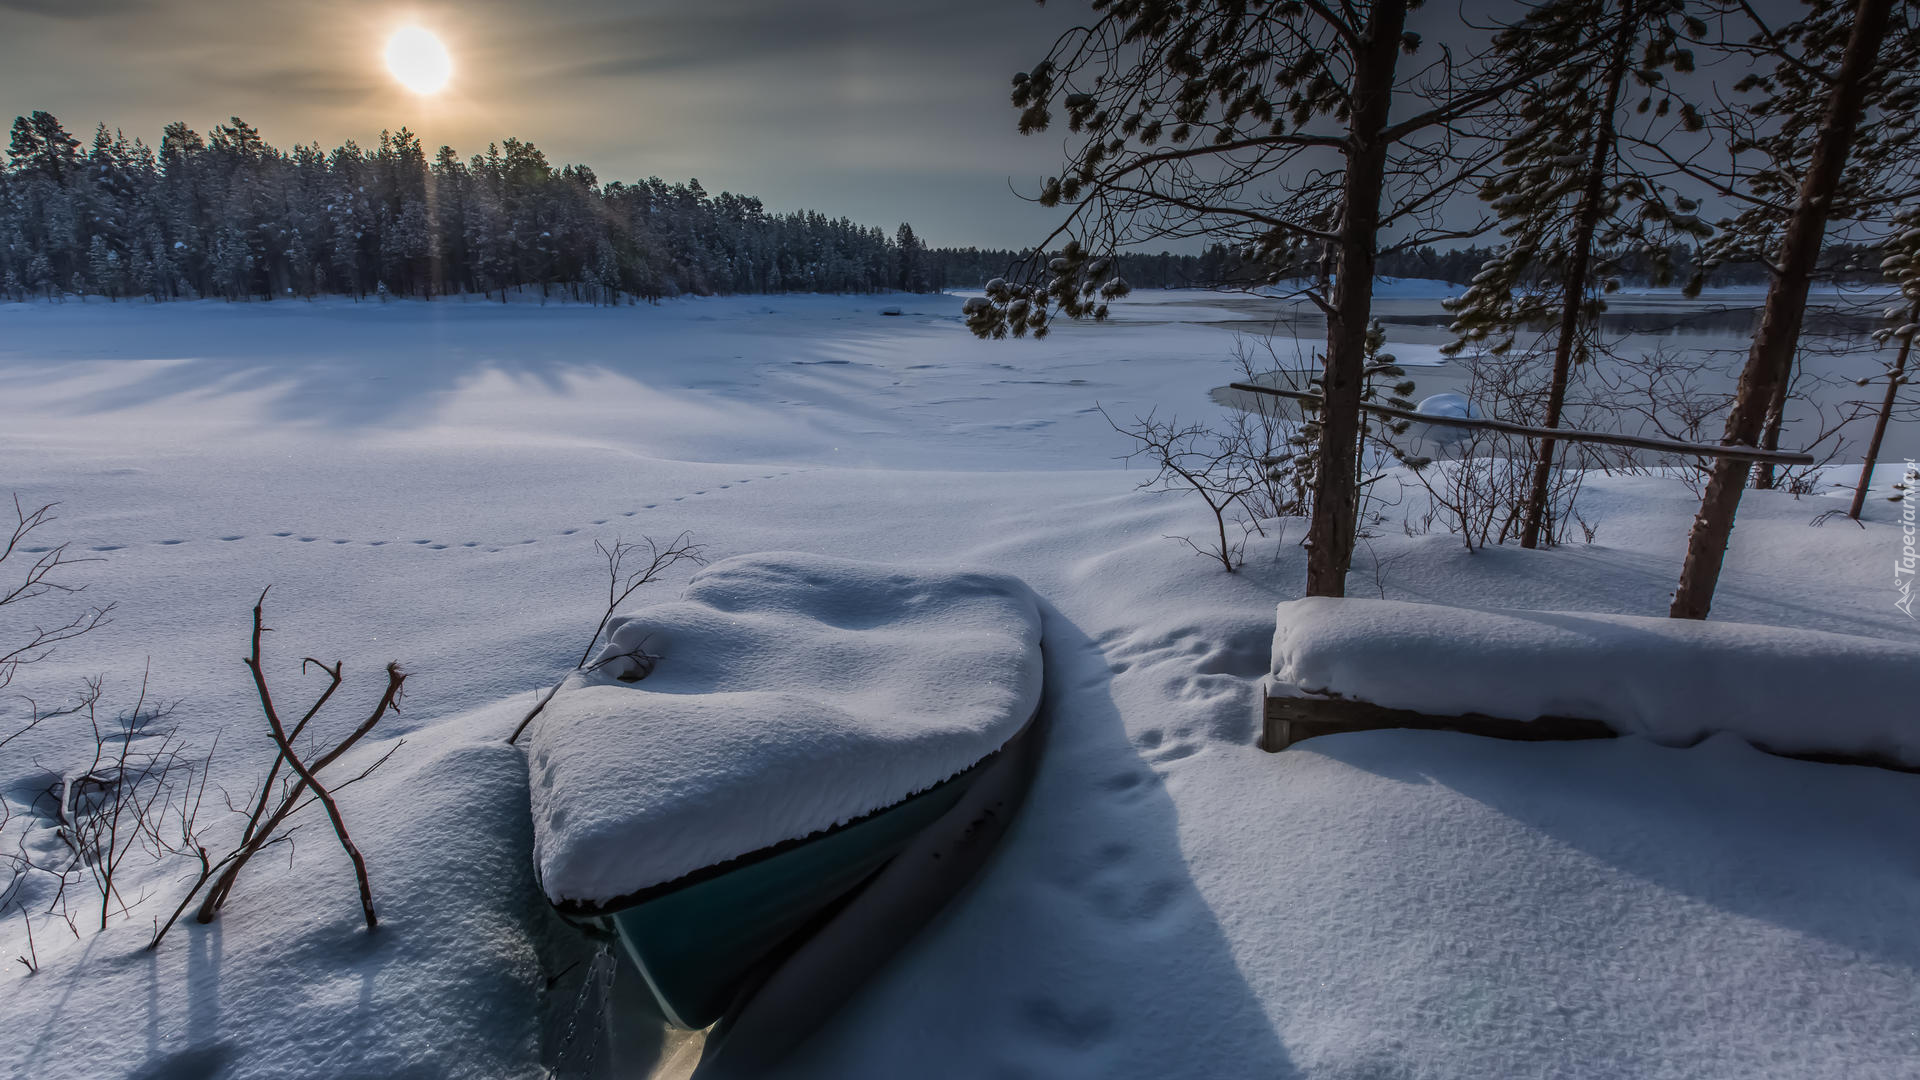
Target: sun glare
x,y
418,60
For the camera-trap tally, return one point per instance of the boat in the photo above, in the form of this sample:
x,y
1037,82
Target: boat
x,y
701,941
816,759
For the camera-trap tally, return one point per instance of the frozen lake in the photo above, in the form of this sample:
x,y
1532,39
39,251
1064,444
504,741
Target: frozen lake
x,y
1836,350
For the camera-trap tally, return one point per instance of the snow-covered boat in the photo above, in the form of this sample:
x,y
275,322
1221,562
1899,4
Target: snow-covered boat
x,y
763,789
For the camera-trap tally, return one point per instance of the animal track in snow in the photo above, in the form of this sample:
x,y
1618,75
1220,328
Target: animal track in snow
x,y
1158,750
433,545
1121,783
1174,752
1117,890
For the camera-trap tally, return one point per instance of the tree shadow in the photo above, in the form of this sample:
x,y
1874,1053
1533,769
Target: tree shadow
x,y
349,366
338,364
1085,948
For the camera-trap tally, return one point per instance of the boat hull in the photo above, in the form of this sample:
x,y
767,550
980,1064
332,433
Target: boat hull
x,y
699,942
829,965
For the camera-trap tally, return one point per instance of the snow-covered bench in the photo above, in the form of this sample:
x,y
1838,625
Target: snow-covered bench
x,y
1344,665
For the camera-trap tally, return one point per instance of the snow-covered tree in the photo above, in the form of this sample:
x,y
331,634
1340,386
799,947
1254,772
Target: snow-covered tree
x,y
1572,208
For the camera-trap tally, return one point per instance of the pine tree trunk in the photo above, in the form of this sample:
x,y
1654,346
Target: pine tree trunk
x,y
1578,268
1336,494
1880,423
1770,361
1770,436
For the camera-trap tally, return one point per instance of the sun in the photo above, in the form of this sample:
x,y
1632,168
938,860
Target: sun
x,y
418,60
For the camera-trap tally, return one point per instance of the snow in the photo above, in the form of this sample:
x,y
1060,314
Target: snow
x,y
1448,404
424,482
791,693
286,984
1441,439
1674,681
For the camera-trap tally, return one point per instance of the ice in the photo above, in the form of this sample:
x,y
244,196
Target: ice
x,y
1448,404
790,693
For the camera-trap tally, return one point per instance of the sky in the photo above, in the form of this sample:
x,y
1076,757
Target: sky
x,y
882,110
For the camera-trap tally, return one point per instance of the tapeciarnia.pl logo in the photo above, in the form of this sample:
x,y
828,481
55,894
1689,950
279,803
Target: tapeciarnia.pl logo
x,y
1905,565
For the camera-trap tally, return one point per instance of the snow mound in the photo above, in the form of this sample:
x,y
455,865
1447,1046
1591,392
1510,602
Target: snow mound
x,y
1674,681
1441,439
791,693
1448,404
288,982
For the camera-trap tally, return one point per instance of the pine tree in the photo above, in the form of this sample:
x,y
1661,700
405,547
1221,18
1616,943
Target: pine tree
x,y
1902,268
103,267
41,146
1846,62
1779,133
913,274
1572,208
1183,115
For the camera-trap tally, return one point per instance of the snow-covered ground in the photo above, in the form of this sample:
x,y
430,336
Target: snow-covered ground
x,y
424,482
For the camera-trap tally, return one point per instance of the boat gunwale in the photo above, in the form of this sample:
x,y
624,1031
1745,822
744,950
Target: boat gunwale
x,y
592,909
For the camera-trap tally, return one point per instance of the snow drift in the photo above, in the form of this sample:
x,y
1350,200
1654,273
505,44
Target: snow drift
x,y
790,694
1674,681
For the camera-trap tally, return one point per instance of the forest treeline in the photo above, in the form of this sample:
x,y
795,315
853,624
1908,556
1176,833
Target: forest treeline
x,y
226,215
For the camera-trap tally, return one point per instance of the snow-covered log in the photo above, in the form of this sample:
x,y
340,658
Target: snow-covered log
x,y
1801,692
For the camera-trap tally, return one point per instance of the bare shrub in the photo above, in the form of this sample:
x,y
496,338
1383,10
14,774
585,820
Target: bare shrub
x,y
40,578
281,796
626,575
139,770
1206,461
35,574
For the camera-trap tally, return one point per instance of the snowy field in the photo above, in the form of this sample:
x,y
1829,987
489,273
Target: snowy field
x,y
425,482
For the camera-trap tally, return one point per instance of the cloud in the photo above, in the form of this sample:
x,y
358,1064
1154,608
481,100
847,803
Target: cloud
x,y
70,9
307,83
773,37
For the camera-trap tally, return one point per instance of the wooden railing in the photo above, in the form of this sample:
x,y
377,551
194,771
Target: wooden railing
x,y
1637,442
